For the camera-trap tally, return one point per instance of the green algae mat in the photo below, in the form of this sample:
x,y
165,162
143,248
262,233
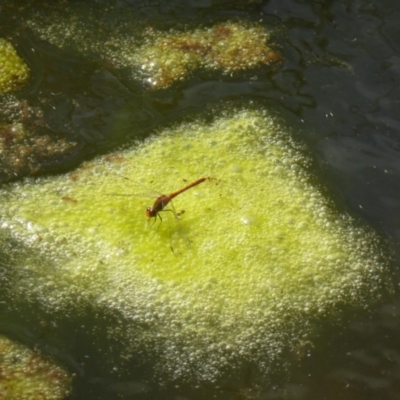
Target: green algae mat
x,y
257,254
13,70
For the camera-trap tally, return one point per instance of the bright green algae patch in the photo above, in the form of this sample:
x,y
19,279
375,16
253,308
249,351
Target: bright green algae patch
x,y
26,375
267,254
13,70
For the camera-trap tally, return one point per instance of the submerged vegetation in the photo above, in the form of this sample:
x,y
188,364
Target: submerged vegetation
x,y
261,255
26,375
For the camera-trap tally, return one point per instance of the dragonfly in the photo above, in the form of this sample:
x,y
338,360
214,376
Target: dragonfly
x,y
164,199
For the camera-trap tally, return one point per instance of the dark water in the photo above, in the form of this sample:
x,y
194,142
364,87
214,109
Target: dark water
x,y
339,81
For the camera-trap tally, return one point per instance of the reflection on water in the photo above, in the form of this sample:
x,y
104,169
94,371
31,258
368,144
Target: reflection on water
x,y
338,79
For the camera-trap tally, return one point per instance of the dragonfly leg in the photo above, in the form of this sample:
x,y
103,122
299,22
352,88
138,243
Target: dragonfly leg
x,y
161,220
155,220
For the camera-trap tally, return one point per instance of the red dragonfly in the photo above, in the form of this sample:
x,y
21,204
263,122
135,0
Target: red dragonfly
x,y
163,200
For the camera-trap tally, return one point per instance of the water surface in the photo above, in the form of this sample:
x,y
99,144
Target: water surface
x,y
338,85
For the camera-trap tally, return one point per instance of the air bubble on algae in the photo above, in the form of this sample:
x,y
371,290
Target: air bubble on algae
x,y
26,375
245,292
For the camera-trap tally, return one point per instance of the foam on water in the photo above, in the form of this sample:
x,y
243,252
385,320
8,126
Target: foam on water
x,y
268,253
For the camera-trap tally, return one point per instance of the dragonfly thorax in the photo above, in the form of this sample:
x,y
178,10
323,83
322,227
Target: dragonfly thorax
x,y
159,205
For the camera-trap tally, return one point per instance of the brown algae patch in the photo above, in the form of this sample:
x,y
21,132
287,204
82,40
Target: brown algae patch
x,y
159,58
21,151
168,57
26,375
13,70
268,253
